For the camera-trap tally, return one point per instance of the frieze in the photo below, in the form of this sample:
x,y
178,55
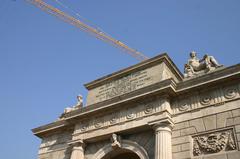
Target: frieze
x,y
214,142
202,99
138,111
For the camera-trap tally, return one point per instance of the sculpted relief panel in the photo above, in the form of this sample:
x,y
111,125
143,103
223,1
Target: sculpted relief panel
x,y
214,142
201,99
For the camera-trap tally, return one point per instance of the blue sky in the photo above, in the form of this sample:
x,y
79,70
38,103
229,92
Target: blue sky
x,y
44,62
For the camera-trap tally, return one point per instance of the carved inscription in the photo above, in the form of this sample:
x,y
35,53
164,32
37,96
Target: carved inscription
x,y
124,85
214,142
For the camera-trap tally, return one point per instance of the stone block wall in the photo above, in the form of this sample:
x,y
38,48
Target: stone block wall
x,y
55,146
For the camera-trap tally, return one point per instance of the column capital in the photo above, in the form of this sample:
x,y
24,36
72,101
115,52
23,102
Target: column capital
x,y
77,143
162,125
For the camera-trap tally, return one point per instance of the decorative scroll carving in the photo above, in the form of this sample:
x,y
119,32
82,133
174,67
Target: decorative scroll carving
x,y
148,108
214,142
113,120
206,99
184,105
84,127
130,115
98,124
230,93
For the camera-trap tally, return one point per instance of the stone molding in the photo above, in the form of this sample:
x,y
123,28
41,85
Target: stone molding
x,y
200,99
125,144
144,109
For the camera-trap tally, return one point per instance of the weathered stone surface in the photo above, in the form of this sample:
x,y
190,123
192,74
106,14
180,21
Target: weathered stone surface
x,y
181,155
222,119
210,122
198,124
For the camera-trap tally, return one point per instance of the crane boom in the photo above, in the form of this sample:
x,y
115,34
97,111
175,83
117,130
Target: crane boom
x,y
86,28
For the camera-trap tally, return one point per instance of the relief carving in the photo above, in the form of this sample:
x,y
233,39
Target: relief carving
x,y
184,105
98,124
116,141
213,142
230,93
130,115
148,108
113,119
206,99
84,127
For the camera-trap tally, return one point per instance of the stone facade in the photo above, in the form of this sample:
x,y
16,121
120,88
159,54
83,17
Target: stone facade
x,y
151,110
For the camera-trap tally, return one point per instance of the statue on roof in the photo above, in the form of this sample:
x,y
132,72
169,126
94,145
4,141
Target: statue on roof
x,y
77,106
195,66
79,101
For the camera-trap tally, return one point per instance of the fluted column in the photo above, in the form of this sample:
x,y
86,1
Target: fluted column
x,y
163,141
77,150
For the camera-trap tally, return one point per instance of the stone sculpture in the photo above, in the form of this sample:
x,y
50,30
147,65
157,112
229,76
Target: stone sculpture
x,y
196,66
115,139
213,143
79,101
77,106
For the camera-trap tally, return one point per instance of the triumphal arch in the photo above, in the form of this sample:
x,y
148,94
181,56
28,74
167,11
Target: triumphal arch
x,y
152,111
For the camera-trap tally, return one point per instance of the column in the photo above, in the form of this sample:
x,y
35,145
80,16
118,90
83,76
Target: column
x,y
163,141
77,150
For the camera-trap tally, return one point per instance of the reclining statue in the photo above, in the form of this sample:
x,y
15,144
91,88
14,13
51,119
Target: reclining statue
x,y
194,65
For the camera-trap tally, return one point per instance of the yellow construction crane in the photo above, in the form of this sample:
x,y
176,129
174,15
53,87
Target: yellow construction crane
x,y
86,28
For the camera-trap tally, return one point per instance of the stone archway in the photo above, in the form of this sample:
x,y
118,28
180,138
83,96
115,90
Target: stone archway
x,y
127,148
121,154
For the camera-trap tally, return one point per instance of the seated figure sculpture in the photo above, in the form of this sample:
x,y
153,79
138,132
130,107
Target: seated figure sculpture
x,y
78,105
194,65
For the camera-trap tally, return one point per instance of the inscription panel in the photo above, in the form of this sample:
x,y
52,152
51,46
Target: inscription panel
x,y
124,85
128,83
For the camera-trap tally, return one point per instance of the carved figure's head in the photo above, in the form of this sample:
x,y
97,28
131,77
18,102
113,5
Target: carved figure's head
x,y
79,97
205,56
212,139
193,54
114,137
186,66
